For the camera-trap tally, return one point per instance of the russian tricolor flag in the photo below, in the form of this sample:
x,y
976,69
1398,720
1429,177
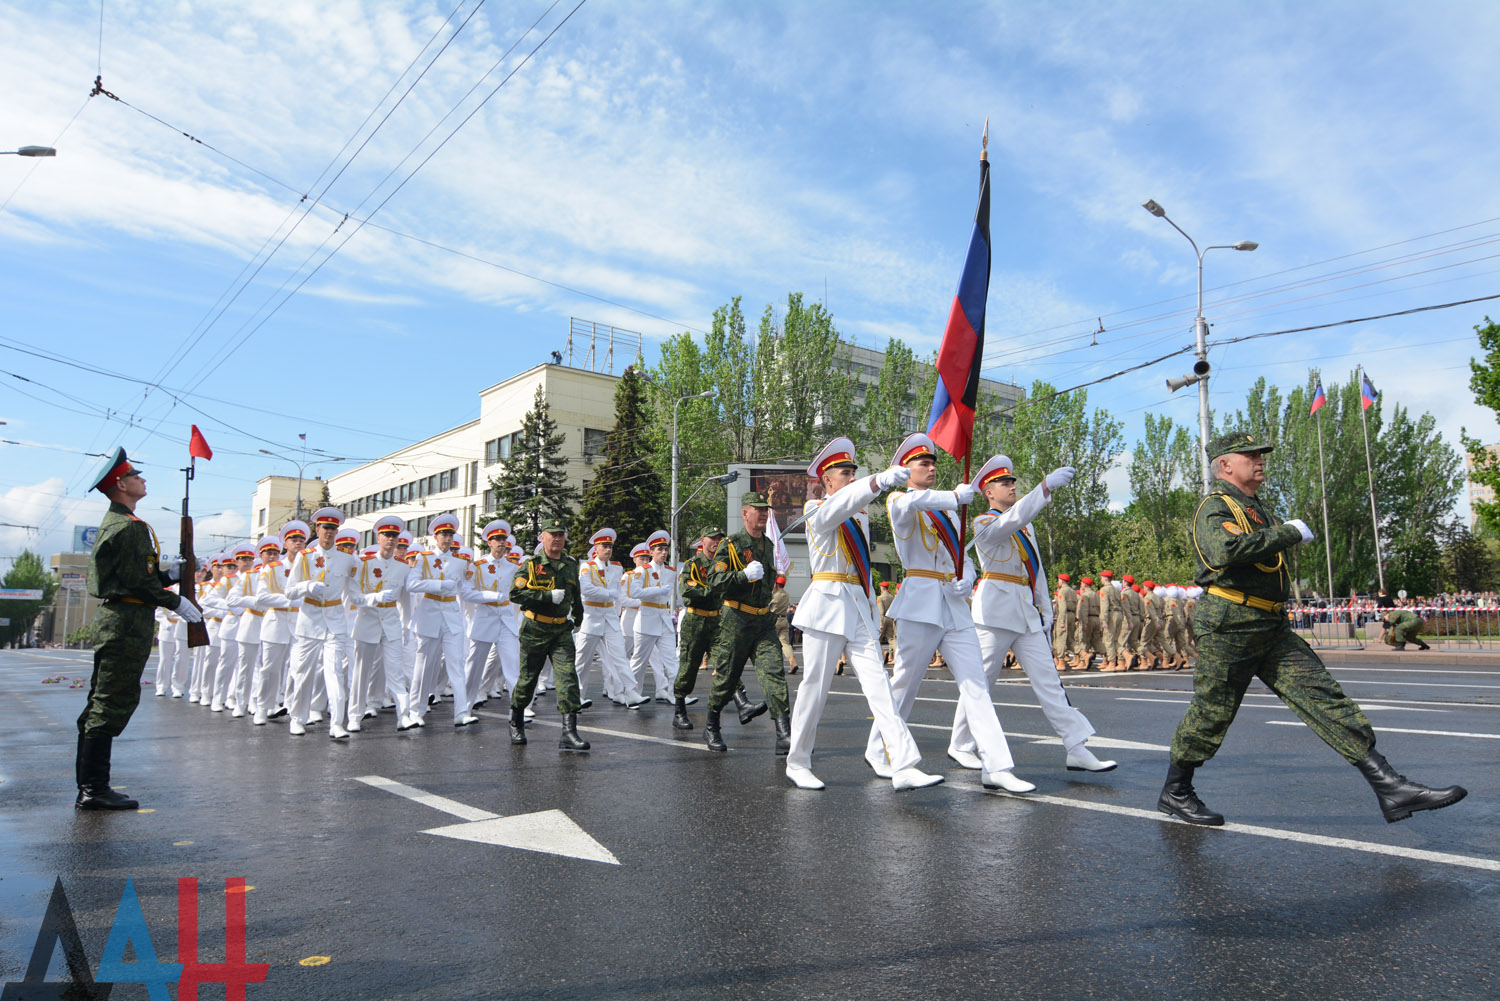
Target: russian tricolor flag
x,y
1318,399
950,422
1367,393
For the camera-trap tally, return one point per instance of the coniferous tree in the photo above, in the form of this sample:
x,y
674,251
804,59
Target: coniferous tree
x,y
532,488
627,492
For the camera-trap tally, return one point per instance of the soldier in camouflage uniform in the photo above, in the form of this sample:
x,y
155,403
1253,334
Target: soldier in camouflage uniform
x,y
546,587
747,629
1064,622
700,623
1403,627
126,572
1244,634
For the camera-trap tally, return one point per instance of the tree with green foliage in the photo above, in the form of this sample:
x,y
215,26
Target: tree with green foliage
x,y
26,572
1164,477
628,492
532,488
1484,381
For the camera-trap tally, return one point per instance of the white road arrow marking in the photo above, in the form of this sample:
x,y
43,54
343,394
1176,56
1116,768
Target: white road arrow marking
x,y
549,831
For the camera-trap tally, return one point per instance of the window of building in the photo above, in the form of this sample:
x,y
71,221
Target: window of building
x,y
261,518
594,441
473,477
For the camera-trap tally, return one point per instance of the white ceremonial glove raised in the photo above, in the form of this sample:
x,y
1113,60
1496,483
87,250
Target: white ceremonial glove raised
x,y
448,588
965,493
557,595
188,611
317,589
755,571
889,479
1059,477
1307,533
172,567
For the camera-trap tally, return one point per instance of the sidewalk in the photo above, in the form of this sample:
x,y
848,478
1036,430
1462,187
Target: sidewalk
x,y
1466,655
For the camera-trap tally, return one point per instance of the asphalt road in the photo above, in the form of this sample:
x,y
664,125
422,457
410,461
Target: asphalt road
x,y
686,874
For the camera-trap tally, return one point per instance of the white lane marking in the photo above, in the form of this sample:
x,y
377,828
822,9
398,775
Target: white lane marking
x,y
1404,670
1109,743
549,831
953,702
1172,702
1409,684
442,803
1374,848
1397,729
690,745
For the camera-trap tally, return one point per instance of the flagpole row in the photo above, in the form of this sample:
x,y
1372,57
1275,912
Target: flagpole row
x,y
1370,473
1323,494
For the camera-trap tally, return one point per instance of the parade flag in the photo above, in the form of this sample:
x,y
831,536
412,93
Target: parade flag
x,y
302,436
780,556
950,422
1367,393
1318,399
198,445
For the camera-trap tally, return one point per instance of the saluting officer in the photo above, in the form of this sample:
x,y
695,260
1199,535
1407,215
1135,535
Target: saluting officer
x,y
547,590
128,572
1243,633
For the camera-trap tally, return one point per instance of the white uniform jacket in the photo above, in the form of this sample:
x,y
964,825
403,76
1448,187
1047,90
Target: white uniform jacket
x,y
836,601
1007,597
490,599
602,590
377,592
653,587
630,605
242,594
280,623
326,615
434,605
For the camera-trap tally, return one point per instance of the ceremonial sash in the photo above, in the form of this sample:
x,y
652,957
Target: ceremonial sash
x,y
1032,561
856,550
946,533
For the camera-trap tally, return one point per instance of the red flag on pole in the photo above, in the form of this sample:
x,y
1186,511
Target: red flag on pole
x,y
198,445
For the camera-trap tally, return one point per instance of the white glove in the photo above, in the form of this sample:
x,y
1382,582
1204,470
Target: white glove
x,y
962,587
188,611
489,596
372,599
317,589
755,571
891,478
557,595
964,492
448,588
1059,477
1307,533
172,567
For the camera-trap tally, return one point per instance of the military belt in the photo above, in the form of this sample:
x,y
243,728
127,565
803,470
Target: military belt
x,y
385,604
126,599
254,612
838,578
322,604
439,597
600,604
1241,598
551,620
747,609
1009,578
652,604
490,604
930,574
707,613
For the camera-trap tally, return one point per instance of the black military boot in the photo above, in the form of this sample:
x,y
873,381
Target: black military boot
x,y
747,711
783,734
94,792
570,741
680,719
1179,800
517,725
1399,796
711,735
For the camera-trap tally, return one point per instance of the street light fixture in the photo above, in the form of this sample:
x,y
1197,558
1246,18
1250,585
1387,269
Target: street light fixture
x,y
29,151
300,467
1200,331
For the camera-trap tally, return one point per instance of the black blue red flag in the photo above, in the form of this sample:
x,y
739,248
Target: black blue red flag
x,y
950,422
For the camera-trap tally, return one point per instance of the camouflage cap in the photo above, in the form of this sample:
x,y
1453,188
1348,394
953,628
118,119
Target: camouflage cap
x,y
711,531
754,499
556,526
1237,441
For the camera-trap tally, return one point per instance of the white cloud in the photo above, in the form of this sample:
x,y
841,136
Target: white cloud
x,y
51,514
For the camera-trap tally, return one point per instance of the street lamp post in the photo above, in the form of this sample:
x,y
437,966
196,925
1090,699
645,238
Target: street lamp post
x,y
300,467
708,394
29,151
1200,335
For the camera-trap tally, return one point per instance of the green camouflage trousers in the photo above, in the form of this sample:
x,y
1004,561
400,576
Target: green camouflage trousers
x,y
744,637
697,639
538,642
1405,634
1237,644
119,658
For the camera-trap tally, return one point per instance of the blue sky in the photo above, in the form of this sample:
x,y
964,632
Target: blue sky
x,y
667,157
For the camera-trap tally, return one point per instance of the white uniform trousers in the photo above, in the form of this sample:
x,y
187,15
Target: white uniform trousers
x,y
182,667
820,656
166,661
434,653
660,654
243,675
315,657
200,663
915,644
609,647
224,666
478,654
270,677
1034,651
375,681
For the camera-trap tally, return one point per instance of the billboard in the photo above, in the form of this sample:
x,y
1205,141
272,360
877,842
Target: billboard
x,y
83,538
786,490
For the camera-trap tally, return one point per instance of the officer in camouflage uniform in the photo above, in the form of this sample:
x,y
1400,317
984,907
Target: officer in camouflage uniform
x,y
546,587
747,629
126,572
1243,634
1403,627
700,623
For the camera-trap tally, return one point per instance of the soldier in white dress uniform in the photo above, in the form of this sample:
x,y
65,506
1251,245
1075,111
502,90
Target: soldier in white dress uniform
x,y
838,617
439,580
321,578
630,605
655,636
932,614
242,595
1013,613
494,643
379,658
600,583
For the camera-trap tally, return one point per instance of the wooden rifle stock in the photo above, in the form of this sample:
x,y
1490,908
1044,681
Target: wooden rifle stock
x,y
187,583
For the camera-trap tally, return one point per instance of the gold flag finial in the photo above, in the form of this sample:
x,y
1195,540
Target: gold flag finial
x,y
984,141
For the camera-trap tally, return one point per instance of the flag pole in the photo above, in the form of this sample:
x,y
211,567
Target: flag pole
x,y
963,512
1323,495
1364,422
